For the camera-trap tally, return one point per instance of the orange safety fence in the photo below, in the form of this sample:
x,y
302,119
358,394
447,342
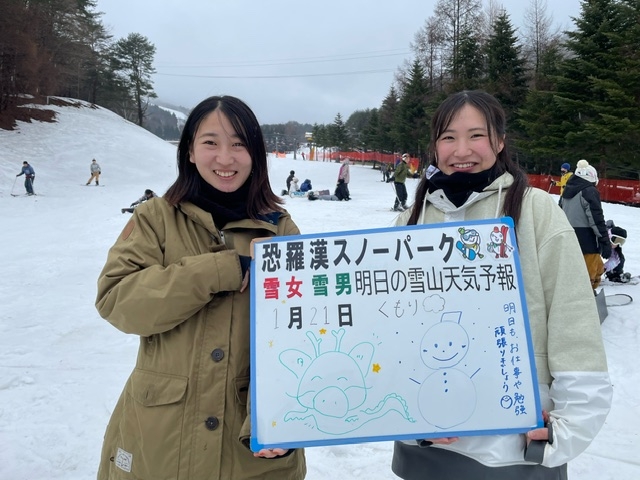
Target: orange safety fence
x,y
388,158
615,191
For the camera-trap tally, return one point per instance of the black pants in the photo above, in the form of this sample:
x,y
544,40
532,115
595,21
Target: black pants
x,y
401,194
614,275
342,191
433,463
28,184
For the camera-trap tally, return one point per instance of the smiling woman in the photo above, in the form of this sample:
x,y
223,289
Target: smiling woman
x,y
177,276
472,176
219,154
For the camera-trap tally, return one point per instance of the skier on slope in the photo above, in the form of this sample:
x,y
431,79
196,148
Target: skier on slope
x,y
399,178
30,176
95,172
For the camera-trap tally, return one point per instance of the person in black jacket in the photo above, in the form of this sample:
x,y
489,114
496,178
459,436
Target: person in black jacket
x,y
614,267
291,176
580,201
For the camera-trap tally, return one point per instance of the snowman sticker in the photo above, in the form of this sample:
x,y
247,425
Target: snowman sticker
x,y
447,397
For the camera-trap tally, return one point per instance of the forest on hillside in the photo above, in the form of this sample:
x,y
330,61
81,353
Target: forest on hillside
x,y
568,95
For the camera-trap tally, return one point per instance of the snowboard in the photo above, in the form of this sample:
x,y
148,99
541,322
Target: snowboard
x,y
23,195
91,185
633,280
298,194
618,299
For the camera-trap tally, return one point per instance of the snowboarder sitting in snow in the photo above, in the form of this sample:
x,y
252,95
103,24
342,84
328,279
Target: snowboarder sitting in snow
x,y
290,178
614,266
148,194
306,186
293,186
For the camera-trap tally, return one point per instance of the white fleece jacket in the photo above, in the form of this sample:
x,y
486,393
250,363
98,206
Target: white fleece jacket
x,y
572,369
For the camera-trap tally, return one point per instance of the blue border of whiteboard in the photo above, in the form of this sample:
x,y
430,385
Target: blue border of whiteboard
x,y
255,443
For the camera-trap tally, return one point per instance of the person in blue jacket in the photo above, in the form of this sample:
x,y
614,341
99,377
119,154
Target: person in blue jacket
x,y
30,175
306,186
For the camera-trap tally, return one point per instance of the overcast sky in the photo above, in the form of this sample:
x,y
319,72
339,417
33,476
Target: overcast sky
x,y
289,60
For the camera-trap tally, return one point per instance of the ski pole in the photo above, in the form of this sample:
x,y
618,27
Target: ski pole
x,y
14,185
395,193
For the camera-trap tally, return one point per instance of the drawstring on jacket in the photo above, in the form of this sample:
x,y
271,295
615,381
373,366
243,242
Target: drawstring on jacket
x,y
496,215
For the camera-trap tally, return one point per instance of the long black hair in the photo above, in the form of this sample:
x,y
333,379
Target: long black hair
x,y
495,117
261,198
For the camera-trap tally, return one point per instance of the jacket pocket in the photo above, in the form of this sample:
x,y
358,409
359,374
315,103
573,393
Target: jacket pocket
x,y
152,423
244,409
242,389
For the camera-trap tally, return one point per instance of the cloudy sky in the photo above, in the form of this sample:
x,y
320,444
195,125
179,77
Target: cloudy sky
x,y
289,60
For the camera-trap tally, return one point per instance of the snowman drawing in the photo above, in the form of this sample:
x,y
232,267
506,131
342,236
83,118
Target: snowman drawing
x,y
447,397
498,242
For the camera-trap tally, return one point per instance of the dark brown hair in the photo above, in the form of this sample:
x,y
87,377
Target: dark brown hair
x,y
496,126
261,198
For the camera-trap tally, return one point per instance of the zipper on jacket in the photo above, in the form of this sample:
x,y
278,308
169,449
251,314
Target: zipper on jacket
x,y
222,240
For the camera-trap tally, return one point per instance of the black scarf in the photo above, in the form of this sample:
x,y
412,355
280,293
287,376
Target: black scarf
x,y
223,207
459,185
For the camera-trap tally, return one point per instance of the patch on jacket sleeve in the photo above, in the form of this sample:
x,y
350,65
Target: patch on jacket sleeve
x,y
128,228
123,460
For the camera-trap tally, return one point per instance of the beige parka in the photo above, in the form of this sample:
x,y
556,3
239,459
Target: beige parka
x,y
173,279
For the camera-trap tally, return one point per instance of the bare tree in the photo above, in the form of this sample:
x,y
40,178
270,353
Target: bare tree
x,y
428,44
538,35
491,12
456,17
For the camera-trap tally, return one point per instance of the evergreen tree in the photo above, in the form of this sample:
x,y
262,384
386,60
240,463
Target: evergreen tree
x,y
410,124
469,63
542,147
370,137
386,117
505,66
598,93
321,137
338,134
132,57
538,122
356,124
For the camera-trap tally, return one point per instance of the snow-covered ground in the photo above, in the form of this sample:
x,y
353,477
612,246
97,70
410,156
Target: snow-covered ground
x,y
62,367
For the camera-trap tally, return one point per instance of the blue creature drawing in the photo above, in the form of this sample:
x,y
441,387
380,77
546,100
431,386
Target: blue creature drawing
x,y
498,242
332,388
447,397
469,243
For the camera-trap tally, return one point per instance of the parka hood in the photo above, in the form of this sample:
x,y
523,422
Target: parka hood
x,y
574,185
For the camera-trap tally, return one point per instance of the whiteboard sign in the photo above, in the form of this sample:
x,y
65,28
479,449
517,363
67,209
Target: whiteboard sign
x,y
389,334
